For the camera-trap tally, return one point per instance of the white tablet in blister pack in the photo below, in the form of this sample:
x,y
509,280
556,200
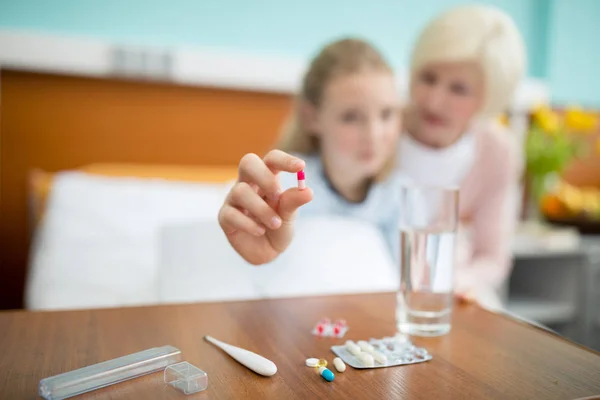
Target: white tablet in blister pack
x,y
381,353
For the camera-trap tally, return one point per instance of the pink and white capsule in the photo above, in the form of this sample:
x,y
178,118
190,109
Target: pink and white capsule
x,y
301,180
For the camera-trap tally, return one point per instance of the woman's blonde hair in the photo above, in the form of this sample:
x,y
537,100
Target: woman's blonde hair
x,y
482,34
345,56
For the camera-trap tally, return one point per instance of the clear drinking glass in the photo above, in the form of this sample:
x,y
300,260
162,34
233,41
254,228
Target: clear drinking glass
x,y
428,223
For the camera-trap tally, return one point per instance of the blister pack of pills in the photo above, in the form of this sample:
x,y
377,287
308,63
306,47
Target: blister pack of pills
x,y
326,328
381,353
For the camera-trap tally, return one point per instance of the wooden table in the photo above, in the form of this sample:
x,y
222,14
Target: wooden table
x,y
486,356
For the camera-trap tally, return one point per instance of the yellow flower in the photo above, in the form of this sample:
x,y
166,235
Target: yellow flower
x,y
590,200
503,119
580,121
546,119
572,199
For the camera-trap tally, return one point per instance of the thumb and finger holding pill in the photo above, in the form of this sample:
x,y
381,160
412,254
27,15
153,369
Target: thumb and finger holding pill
x,y
256,202
263,172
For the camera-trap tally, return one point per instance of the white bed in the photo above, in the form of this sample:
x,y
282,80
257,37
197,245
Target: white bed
x,y
110,242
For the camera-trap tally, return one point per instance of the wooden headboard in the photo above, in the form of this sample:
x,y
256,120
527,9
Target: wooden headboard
x,y
58,122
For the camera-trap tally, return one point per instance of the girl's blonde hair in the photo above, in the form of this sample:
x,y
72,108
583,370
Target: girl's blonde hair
x,y
482,34
345,56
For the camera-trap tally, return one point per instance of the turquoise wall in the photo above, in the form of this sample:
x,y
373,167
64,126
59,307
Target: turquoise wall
x,y
573,59
298,28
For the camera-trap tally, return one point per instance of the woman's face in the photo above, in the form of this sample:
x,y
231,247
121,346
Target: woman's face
x,y
444,98
358,122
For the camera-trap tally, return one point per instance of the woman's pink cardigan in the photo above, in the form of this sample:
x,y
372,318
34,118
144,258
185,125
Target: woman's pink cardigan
x,y
488,212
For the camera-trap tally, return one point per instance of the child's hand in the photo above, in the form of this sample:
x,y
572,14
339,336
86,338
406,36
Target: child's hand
x,y
257,217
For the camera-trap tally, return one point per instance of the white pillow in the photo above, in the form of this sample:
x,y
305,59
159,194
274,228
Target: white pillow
x,y
197,263
329,255
97,245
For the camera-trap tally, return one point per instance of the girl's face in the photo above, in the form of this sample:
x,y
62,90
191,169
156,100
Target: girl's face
x,y
444,99
358,122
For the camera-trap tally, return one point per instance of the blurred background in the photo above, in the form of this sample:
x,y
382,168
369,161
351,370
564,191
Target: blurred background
x,y
121,121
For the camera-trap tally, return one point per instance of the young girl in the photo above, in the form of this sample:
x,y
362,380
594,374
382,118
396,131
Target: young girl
x,y
344,135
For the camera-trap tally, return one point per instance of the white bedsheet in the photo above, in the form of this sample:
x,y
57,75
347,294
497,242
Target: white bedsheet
x,y
97,245
329,255
108,242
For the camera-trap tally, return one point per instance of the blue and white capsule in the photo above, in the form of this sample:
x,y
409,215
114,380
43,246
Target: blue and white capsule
x,y
326,374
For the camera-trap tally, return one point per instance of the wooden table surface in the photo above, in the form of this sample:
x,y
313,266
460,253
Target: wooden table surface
x,y
486,356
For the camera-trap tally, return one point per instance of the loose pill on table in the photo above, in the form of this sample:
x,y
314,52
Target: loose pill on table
x,y
326,374
364,346
366,359
322,363
321,328
339,364
352,347
312,362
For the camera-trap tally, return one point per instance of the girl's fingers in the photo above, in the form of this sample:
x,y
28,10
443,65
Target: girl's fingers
x,y
291,200
263,172
242,196
232,220
253,170
279,161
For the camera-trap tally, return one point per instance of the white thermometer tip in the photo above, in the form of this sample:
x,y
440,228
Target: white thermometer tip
x,y
250,360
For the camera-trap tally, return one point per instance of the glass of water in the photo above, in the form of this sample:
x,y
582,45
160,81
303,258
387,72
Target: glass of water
x,y
428,223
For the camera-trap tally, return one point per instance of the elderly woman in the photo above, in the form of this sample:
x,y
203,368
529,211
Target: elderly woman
x,y
465,67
